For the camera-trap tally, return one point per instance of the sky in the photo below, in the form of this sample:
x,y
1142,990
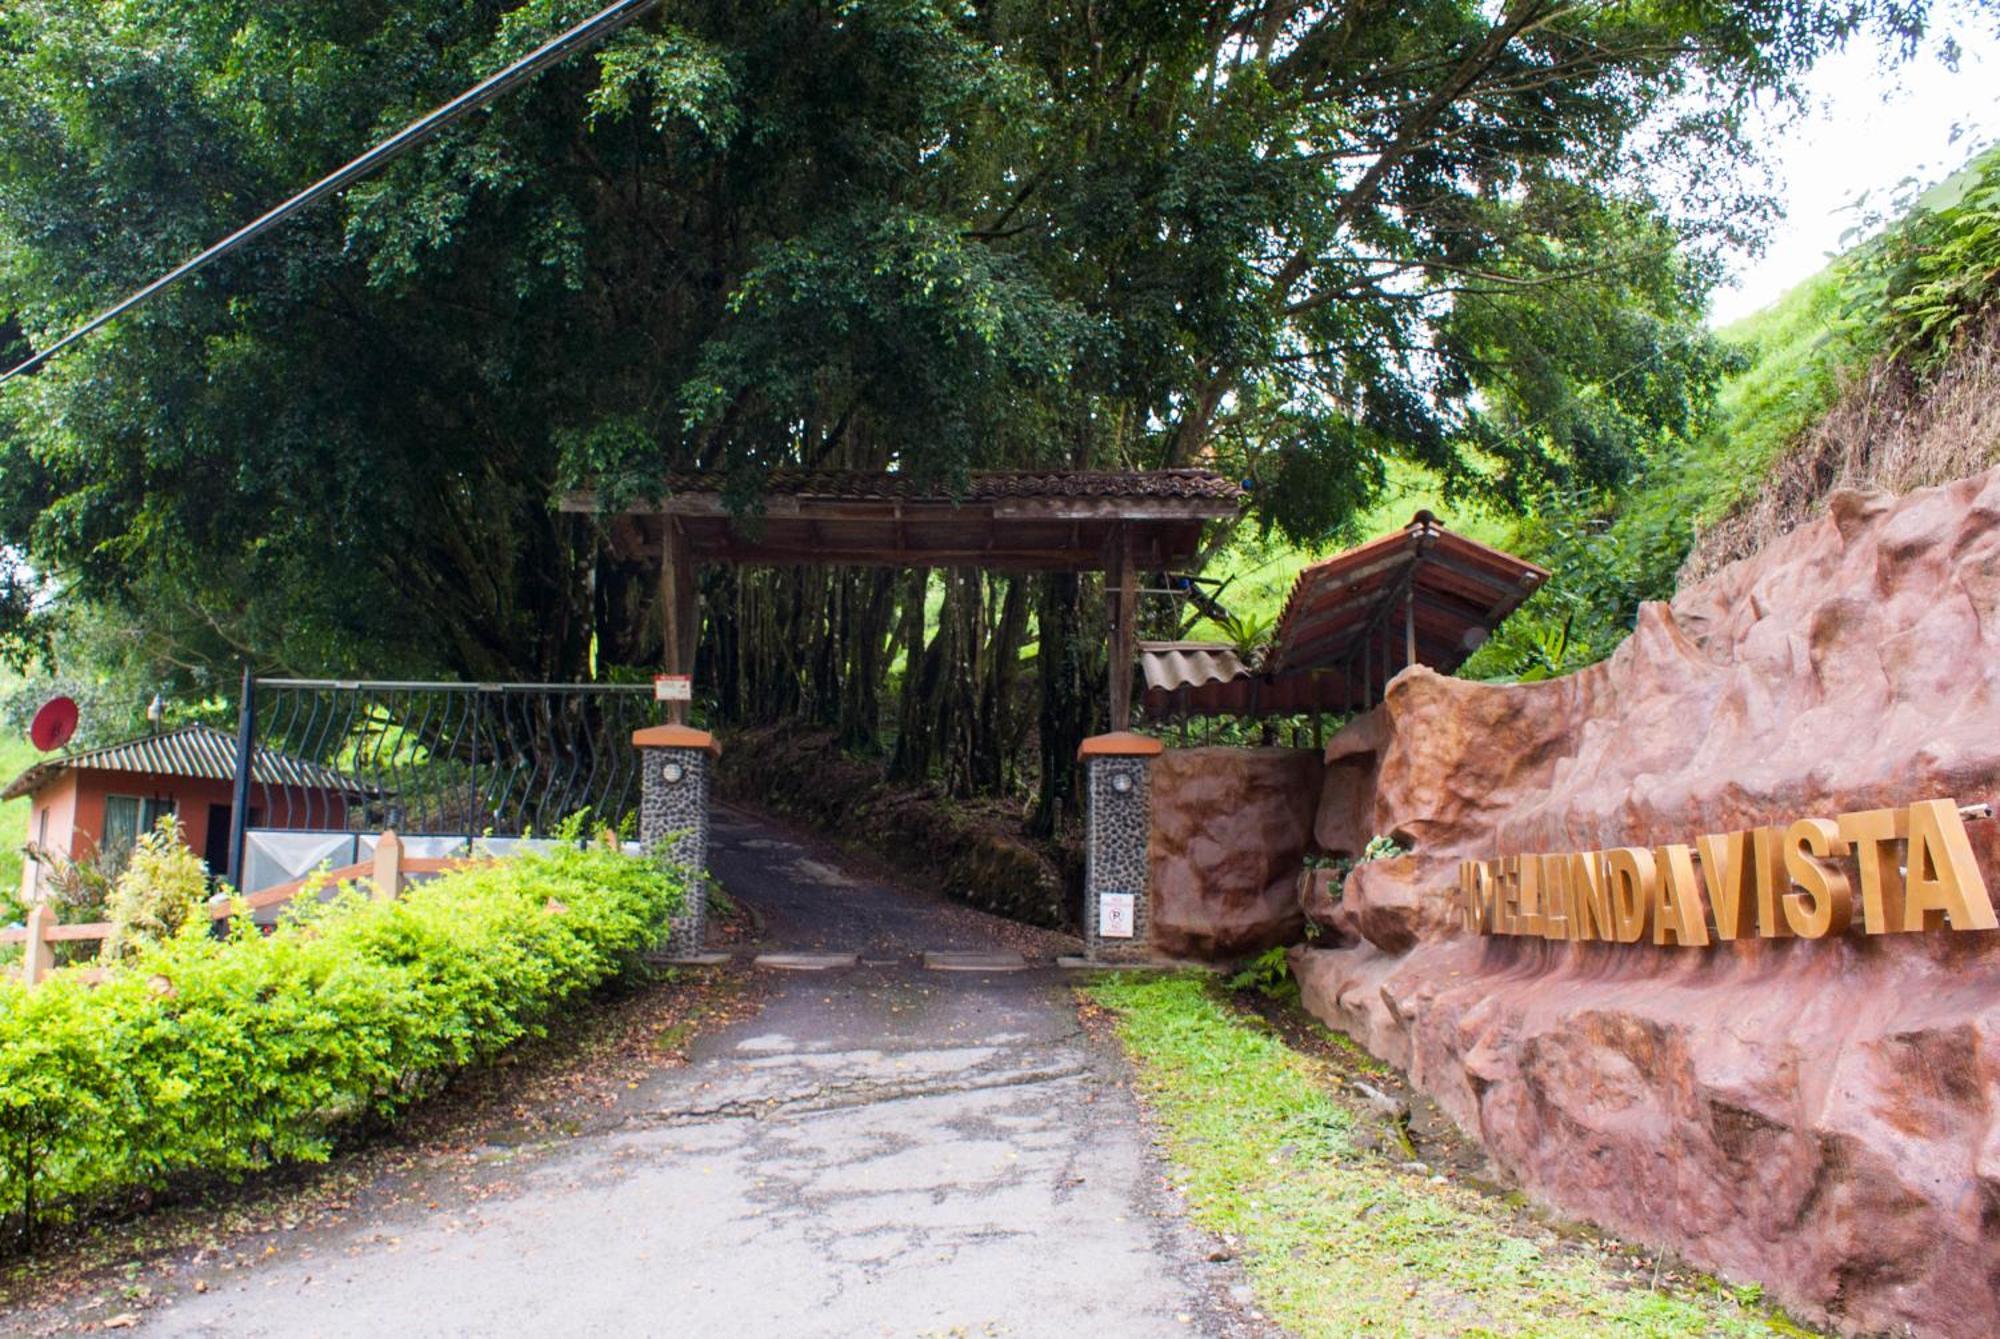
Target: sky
x,y
1868,131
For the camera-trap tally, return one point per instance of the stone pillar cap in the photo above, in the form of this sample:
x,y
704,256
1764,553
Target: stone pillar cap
x,y
676,737
1120,744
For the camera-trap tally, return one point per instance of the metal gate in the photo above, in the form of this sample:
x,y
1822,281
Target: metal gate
x,y
445,762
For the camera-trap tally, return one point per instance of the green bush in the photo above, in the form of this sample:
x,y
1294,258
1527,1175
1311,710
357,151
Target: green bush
x,y
221,1056
160,890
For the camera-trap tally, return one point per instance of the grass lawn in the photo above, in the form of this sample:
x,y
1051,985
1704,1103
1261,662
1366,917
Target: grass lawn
x,y
1340,1241
15,754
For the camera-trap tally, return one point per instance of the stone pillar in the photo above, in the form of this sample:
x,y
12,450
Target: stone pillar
x,y
675,763
1118,828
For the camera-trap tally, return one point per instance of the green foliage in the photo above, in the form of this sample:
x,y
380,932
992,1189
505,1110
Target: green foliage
x,y
1914,289
1250,635
1336,1242
221,1056
1905,296
79,892
1603,563
887,232
1269,974
159,892
1378,848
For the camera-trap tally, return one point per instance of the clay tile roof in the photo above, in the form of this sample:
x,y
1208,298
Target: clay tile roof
x,y
1351,623
980,485
196,751
1454,590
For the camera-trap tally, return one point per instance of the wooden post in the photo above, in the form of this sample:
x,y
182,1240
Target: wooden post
x,y
1125,599
1409,625
37,958
679,621
388,867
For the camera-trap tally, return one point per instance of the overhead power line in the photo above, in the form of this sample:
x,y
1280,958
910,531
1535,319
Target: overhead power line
x,y
560,48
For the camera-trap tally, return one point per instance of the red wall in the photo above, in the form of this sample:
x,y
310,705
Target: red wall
x,y
74,802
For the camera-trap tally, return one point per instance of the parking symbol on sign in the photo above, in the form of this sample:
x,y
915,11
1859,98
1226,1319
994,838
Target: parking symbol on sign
x,y
1115,915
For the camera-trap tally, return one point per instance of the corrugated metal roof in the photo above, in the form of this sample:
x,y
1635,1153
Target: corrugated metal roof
x,y
1350,625
1171,666
197,751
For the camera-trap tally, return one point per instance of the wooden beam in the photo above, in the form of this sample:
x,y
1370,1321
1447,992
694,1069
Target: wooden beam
x,y
1125,600
1409,627
679,615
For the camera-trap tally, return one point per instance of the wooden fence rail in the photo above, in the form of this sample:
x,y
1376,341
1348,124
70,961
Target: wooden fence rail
x,y
388,872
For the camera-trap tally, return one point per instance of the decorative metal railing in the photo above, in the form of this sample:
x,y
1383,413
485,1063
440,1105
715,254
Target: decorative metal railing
x,y
437,759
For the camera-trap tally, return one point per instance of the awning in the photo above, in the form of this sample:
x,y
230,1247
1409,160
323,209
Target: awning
x,y
1423,595
995,520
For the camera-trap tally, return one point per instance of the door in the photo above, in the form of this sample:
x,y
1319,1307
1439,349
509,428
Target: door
x,y
215,849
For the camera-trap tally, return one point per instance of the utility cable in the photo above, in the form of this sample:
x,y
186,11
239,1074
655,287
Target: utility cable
x,y
582,37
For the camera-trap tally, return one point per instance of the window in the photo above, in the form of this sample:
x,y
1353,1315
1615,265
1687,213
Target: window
x,y
125,817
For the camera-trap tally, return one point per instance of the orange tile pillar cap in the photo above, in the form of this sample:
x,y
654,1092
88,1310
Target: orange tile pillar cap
x,y
676,737
1120,744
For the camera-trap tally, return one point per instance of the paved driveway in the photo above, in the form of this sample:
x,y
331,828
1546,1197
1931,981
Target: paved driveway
x,y
880,1151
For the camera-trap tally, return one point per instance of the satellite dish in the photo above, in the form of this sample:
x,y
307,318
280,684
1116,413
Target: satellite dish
x,y
54,724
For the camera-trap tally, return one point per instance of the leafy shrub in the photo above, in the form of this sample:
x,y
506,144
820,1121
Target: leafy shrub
x,y
77,890
1919,286
1269,974
160,889
221,1056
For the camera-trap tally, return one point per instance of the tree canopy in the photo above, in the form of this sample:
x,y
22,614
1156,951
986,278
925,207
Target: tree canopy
x,y
1294,240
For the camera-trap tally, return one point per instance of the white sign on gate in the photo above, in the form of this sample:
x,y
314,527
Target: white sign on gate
x,y
673,688
1114,915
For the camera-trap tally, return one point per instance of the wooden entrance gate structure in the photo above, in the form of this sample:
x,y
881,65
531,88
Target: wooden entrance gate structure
x,y
1117,523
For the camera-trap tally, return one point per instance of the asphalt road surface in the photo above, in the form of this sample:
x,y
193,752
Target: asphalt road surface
x,y
881,1150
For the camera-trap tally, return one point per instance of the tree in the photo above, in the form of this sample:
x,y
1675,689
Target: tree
x,y
1292,240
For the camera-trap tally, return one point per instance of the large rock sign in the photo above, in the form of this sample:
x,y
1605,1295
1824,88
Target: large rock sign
x,y
1821,1116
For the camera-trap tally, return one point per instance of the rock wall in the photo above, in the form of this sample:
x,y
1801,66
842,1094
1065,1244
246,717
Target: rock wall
x,y
1231,828
1822,1117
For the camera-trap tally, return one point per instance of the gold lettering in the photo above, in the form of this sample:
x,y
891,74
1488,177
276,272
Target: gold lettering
x,y
1531,896
1873,833
1555,897
1725,873
1773,882
1631,875
1510,894
1825,904
1944,881
1589,900
1768,858
1677,916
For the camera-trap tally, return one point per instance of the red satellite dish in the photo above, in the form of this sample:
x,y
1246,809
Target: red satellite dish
x,y
54,724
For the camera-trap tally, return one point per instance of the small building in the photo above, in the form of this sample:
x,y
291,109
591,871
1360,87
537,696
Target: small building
x,y
1422,595
97,801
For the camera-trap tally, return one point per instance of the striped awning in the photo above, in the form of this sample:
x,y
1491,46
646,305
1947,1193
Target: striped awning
x,y
201,752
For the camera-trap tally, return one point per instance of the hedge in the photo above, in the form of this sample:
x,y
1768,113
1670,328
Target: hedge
x,y
225,1055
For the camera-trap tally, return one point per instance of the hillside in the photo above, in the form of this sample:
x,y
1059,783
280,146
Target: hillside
x,y
1883,370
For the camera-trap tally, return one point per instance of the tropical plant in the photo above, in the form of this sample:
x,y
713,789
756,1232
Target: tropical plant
x,y
1249,635
160,889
